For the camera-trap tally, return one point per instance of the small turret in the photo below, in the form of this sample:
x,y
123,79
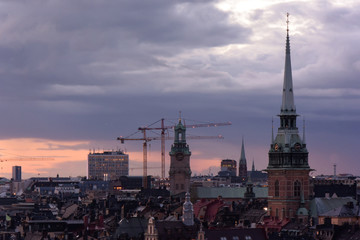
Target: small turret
x,y
188,211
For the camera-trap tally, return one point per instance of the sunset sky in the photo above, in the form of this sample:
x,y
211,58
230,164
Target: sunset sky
x,y
75,75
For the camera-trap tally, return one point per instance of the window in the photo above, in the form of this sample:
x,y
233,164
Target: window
x,y
223,238
248,237
182,186
235,238
277,188
177,186
297,187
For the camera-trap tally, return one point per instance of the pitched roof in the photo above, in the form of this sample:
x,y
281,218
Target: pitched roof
x,y
175,230
235,233
226,192
133,227
319,206
211,208
342,211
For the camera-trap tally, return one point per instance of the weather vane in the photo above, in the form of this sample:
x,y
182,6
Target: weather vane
x,y
287,22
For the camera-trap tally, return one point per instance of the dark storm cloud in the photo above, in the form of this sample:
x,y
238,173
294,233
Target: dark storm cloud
x,y
64,62
95,70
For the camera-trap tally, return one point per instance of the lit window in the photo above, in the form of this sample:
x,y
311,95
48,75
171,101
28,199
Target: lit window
x,y
248,237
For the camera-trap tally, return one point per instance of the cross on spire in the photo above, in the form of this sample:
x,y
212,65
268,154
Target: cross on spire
x,y
287,22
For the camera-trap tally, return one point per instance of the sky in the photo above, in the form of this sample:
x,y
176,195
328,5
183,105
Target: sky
x,y
75,75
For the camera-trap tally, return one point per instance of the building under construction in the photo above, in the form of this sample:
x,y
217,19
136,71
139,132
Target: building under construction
x,y
108,165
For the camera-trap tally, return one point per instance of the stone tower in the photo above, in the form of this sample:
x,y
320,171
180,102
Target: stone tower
x,y
288,169
242,164
180,172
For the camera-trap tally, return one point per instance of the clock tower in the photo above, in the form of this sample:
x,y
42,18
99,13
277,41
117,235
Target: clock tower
x,y
180,172
288,168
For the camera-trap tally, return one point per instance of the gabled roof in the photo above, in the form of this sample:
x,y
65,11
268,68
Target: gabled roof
x,y
235,233
319,206
211,208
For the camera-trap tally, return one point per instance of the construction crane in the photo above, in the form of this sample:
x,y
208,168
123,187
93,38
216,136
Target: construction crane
x,y
146,139
163,128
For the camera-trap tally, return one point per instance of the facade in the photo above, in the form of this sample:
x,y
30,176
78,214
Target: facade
x,y
288,168
16,173
229,165
108,165
180,172
242,164
228,168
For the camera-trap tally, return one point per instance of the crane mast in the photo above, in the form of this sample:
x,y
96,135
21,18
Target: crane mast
x,y
162,149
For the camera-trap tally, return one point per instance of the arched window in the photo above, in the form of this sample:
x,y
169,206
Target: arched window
x,y
277,192
297,187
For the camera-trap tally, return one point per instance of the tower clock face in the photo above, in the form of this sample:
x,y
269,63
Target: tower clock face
x,y
276,147
179,156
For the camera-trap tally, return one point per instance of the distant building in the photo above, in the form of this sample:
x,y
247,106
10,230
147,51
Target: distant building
x,y
16,173
242,164
257,176
229,194
108,165
180,172
329,187
129,182
228,168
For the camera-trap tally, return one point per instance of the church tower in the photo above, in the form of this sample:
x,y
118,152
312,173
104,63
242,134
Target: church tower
x,y
288,169
242,164
180,172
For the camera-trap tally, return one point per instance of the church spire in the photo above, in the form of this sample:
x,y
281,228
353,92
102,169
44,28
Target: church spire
x,y
288,105
242,158
242,164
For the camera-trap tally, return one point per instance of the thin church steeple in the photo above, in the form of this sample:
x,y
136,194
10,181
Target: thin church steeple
x,y
243,164
288,105
242,158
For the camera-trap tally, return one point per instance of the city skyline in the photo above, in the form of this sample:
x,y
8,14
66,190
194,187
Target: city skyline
x,y
77,75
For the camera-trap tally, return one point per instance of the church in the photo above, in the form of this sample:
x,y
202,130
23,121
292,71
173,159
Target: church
x,y
288,169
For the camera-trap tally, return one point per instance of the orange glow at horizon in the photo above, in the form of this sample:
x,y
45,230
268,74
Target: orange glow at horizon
x,y
36,155
44,157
